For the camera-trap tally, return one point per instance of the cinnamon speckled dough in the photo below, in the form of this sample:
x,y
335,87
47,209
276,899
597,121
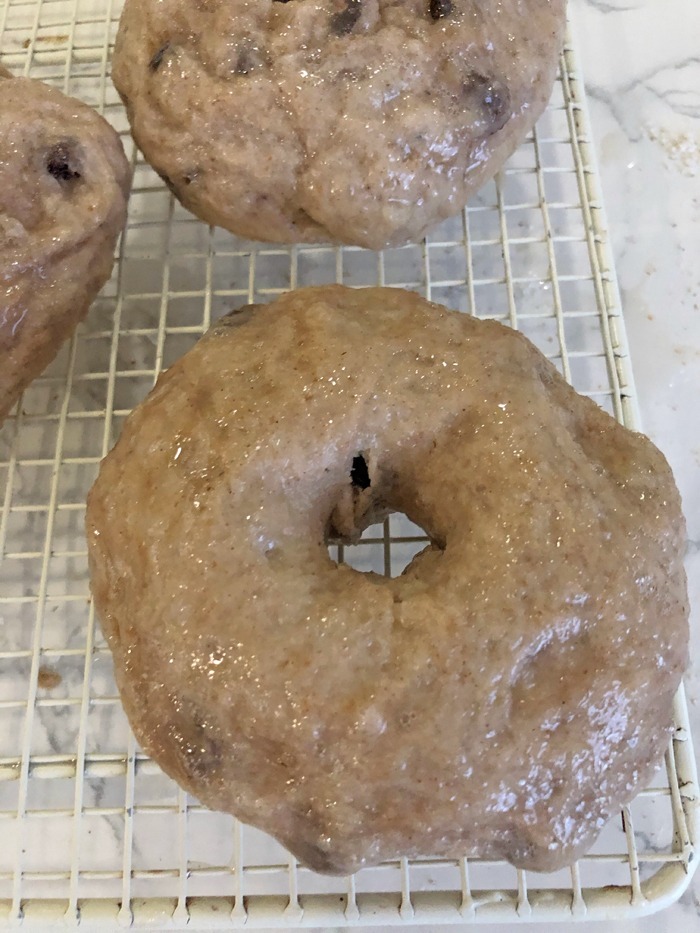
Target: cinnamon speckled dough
x,y
356,121
502,697
64,181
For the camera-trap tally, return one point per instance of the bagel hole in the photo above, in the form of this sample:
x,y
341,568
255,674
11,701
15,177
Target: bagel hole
x,y
385,548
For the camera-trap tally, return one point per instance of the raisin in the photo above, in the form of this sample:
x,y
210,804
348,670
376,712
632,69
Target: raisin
x,y
359,474
344,22
491,97
440,8
61,163
155,62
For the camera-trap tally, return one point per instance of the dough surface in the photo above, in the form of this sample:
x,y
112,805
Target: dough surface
x,y
357,121
502,697
64,183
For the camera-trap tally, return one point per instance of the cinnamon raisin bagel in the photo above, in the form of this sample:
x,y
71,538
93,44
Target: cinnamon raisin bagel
x,y
502,697
64,183
355,121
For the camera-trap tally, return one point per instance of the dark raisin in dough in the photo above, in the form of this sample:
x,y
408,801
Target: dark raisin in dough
x,y
359,474
62,162
492,97
440,8
344,22
157,59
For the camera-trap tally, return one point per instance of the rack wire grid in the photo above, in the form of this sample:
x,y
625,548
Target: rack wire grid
x,y
92,831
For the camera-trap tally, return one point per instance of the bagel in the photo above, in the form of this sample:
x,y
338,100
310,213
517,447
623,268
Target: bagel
x,y
355,121
64,183
502,697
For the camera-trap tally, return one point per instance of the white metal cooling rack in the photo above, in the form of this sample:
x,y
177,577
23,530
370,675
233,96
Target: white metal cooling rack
x,y
92,832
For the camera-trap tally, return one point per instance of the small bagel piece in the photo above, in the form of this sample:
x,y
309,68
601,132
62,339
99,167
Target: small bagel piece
x,y
502,697
356,121
64,184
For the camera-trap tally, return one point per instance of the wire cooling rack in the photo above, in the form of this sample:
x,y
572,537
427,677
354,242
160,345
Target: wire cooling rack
x,y
91,831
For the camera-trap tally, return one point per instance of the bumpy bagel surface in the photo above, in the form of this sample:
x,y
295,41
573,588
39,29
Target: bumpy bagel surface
x,y
357,121
502,697
64,183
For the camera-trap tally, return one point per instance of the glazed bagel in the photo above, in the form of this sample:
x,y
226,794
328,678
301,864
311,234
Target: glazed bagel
x,y
502,697
356,121
64,183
